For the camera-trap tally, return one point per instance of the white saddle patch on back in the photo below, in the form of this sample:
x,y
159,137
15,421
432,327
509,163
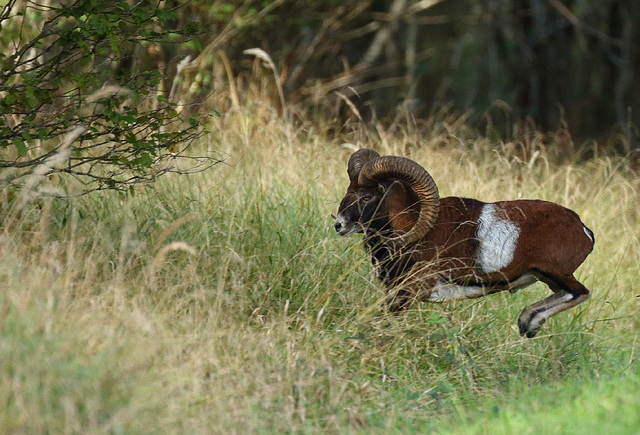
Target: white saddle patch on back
x,y
498,238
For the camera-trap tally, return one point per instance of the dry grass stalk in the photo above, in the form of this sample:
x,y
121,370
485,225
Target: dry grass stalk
x,y
162,254
268,62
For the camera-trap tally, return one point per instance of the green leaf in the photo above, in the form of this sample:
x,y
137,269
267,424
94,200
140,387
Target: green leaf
x,y
43,134
192,28
20,146
143,160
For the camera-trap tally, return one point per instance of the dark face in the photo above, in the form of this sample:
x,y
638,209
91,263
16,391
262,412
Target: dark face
x,y
359,210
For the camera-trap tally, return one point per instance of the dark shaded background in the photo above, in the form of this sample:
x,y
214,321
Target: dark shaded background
x,y
502,64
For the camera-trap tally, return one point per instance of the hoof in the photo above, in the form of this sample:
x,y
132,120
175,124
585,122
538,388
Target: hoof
x,y
529,333
529,324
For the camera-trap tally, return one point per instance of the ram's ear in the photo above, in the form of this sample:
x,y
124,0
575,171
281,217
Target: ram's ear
x,y
402,205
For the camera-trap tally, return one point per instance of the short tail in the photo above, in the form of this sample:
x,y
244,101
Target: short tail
x,y
589,234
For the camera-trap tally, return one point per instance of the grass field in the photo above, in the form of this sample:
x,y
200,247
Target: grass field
x,y
224,302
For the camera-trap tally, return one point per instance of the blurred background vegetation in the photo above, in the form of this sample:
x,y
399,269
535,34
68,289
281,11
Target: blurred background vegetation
x,y
504,68
504,65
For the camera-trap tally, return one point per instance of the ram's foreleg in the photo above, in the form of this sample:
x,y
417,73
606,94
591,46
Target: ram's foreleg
x,y
403,292
568,292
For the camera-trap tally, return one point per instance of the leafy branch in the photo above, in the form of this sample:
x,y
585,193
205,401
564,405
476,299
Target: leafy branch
x,y
88,68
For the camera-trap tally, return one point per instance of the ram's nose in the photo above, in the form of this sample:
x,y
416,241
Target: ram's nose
x,y
343,226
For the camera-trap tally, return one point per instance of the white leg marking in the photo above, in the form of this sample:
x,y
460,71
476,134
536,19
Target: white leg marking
x,y
498,238
555,306
444,291
524,281
535,315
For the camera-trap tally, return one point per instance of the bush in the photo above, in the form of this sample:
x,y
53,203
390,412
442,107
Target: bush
x,y
84,96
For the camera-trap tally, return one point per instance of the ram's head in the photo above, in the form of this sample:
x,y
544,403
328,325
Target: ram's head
x,y
390,196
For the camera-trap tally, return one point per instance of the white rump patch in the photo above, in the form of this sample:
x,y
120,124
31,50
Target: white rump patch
x,y
498,238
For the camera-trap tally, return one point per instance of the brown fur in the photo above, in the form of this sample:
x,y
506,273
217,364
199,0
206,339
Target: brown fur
x,y
401,207
546,230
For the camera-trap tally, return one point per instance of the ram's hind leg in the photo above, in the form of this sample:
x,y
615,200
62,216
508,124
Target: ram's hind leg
x,y
568,292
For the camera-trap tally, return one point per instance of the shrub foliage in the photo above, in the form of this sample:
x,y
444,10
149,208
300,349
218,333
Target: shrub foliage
x,y
79,98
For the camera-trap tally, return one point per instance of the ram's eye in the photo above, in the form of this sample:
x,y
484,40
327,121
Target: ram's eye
x,y
366,197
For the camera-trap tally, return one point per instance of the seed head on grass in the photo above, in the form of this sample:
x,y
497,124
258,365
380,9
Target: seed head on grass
x,y
268,62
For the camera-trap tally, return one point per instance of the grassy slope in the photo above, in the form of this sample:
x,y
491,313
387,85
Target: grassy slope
x,y
224,301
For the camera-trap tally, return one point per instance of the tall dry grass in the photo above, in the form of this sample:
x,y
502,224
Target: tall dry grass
x,y
224,302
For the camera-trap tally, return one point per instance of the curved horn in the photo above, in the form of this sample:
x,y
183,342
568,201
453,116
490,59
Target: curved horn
x,y
358,160
414,176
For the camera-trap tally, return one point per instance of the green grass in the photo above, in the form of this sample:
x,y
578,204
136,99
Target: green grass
x,y
224,302
608,405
